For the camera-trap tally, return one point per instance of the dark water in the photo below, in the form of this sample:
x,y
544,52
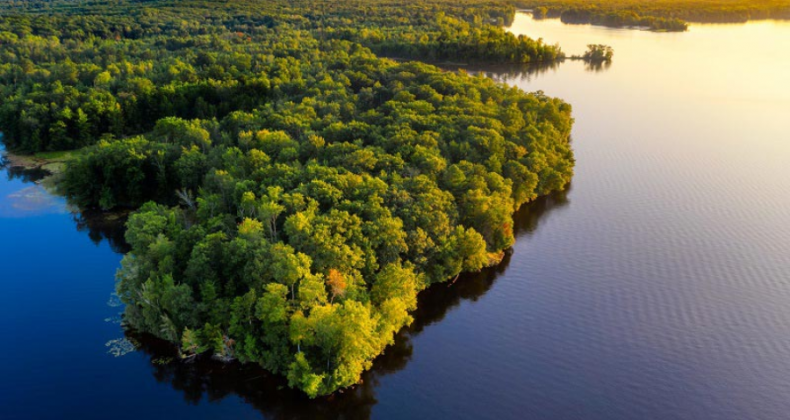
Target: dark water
x,y
658,287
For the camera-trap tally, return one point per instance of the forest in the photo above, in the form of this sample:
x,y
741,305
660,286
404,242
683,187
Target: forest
x,y
72,72
294,190
661,15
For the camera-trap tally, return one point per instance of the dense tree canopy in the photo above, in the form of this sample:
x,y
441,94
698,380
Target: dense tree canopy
x,y
295,191
312,226
71,72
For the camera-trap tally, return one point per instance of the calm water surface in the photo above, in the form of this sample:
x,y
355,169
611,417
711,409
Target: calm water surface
x,y
657,287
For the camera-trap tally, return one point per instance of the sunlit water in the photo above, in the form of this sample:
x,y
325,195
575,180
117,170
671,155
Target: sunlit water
x,y
658,287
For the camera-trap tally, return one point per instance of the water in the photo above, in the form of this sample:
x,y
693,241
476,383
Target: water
x,y
657,287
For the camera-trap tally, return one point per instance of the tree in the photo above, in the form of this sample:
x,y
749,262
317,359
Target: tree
x,y
337,283
312,291
289,267
598,53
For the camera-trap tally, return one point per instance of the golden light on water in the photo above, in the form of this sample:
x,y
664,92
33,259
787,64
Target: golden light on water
x,y
747,77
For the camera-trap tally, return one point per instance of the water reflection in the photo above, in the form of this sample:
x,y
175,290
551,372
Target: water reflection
x,y
597,66
23,174
212,381
104,226
524,73
27,197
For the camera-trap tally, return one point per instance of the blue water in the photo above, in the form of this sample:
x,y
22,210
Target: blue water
x,y
657,287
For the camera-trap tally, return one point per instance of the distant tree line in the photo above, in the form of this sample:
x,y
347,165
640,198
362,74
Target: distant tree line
x,y
664,15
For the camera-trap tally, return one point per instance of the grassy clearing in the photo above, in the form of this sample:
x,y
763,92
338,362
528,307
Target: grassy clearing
x,y
59,156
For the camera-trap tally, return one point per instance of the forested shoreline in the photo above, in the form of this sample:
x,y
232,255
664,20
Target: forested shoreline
x,y
295,190
662,15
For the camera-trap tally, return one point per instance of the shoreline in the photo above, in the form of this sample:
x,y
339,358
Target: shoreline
x,y
53,165
50,167
46,172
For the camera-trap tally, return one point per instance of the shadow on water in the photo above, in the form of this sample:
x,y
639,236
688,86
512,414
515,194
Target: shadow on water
x,y
206,379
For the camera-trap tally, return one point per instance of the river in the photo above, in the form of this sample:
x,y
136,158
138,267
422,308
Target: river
x,y
657,287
